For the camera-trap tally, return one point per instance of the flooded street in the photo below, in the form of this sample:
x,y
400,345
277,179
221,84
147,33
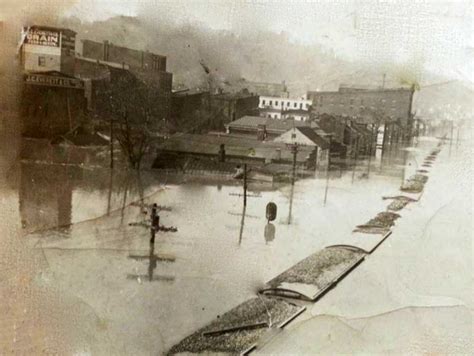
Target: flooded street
x,y
412,295
99,256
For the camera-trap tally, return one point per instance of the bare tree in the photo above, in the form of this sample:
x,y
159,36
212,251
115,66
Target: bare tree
x,y
130,107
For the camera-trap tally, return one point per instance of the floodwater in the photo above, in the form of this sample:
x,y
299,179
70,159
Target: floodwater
x,y
84,228
413,295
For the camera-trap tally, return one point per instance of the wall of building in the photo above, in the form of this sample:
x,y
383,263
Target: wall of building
x,y
107,51
229,107
48,111
283,104
41,59
48,49
391,104
283,108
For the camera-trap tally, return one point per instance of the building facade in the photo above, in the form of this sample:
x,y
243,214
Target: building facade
x,y
284,108
53,100
365,105
47,49
228,107
139,78
135,59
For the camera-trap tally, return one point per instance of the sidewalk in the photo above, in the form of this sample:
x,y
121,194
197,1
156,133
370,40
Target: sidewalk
x,y
412,295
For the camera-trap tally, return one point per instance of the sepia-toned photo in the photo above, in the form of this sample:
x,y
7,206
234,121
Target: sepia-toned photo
x,y
236,177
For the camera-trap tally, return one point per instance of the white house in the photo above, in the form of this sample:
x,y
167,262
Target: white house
x,y
281,108
308,136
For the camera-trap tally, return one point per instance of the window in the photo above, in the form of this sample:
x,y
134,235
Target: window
x,y
293,135
270,102
263,102
276,102
42,61
301,105
307,106
287,103
295,105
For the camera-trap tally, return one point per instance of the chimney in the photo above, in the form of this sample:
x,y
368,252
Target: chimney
x,y
222,153
105,54
261,132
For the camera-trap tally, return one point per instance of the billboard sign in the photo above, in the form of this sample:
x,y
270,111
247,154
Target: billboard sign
x,y
40,37
54,81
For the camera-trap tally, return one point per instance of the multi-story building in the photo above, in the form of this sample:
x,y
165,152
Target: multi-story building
x,y
53,100
365,105
130,70
150,67
284,108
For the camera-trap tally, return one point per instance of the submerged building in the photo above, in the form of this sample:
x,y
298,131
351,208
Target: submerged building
x,y
53,100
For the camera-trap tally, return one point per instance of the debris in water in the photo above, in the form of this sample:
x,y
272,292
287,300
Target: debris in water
x,y
320,269
236,338
399,203
415,183
385,219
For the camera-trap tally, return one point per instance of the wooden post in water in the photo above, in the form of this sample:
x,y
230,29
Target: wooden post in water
x,y
245,184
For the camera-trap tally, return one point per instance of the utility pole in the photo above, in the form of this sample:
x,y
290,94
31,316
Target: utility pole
x,y
294,150
327,171
111,142
245,184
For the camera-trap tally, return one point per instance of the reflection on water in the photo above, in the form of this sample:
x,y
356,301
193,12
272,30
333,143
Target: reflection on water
x,y
153,260
269,232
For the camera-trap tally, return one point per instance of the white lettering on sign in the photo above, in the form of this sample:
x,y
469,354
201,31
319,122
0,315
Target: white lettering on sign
x,y
42,38
63,82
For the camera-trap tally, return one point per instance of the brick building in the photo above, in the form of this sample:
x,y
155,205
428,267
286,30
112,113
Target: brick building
x,y
136,66
191,111
227,107
367,105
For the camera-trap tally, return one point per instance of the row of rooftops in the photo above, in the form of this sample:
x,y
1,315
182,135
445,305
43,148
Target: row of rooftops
x,y
236,146
242,145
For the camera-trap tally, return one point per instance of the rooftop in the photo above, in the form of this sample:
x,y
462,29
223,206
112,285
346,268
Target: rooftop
x,y
253,122
234,146
49,28
314,136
